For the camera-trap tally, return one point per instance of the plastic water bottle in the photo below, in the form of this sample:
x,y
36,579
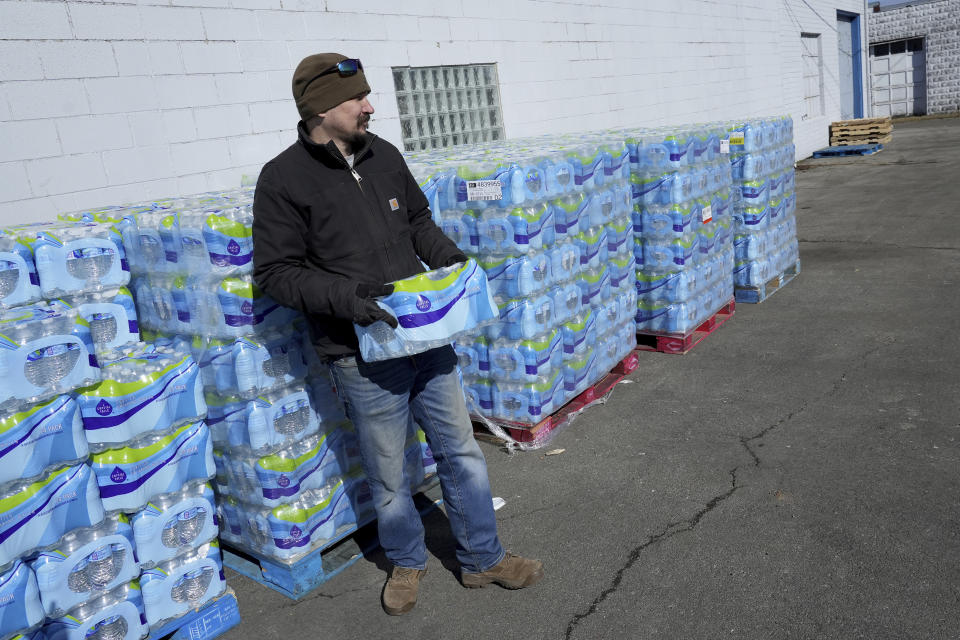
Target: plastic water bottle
x,y
526,360
86,562
45,350
173,523
44,437
129,477
114,615
112,317
19,282
23,611
176,586
148,392
35,514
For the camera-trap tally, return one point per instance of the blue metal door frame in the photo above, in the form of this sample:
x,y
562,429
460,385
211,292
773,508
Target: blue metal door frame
x,y
857,60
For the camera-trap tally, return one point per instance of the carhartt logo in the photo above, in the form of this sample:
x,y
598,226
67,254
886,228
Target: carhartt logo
x,y
394,205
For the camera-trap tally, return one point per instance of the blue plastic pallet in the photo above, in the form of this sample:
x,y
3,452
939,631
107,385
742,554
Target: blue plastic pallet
x,y
209,621
756,295
297,579
851,150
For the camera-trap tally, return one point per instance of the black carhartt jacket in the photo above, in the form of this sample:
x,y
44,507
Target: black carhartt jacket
x,y
319,231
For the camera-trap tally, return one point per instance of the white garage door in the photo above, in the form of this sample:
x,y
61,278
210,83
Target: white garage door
x,y
898,78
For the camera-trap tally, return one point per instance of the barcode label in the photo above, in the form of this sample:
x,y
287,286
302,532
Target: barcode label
x,y
707,214
736,138
724,146
484,190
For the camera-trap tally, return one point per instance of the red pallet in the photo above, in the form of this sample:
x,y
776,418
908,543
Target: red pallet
x,y
532,433
681,344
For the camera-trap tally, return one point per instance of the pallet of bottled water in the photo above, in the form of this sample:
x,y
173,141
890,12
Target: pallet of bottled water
x,y
548,219
682,226
767,254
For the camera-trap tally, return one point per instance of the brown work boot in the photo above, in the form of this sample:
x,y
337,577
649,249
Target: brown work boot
x,y
400,591
513,572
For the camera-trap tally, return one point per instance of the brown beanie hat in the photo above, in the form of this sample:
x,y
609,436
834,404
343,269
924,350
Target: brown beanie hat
x,y
327,91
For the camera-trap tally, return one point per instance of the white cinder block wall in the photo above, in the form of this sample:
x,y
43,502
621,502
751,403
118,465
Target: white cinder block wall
x,y
108,103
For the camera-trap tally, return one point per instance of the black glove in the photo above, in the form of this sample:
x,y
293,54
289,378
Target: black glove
x,y
365,310
455,259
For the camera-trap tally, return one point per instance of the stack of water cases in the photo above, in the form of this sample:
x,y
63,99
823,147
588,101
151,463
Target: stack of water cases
x,y
284,458
682,226
68,568
548,219
765,229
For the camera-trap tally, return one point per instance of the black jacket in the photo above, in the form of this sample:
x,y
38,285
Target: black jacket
x,y
317,232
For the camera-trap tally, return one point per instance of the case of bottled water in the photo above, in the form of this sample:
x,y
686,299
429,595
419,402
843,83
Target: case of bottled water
x,y
35,514
45,350
279,477
186,582
22,611
130,476
112,316
19,282
253,365
173,523
74,258
150,391
267,423
114,615
432,309
86,562
46,436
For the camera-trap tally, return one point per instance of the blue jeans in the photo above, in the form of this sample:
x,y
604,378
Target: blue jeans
x,y
380,398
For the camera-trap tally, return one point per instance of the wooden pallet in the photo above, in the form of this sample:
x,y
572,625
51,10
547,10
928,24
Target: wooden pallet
x,y
851,150
756,295
297,579
862,122
536,432
680,344
209,621
866,139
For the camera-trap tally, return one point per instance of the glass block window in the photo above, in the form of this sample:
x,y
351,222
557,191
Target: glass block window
x,y
447,106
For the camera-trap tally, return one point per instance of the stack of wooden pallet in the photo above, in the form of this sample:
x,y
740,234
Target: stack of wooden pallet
x,y
861,131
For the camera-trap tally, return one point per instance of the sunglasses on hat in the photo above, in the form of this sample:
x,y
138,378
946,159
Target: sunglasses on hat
x,y
345,68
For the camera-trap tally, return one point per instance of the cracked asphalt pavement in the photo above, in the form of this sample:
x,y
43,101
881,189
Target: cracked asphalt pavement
x,y
796,475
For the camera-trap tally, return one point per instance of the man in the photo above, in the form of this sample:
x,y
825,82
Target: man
x,y
336,216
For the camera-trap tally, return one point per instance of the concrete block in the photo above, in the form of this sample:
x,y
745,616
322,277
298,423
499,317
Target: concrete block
x,y
346,26
279,115
198,157
35,21
223,179
19,61
200,3
77,59
241,88
255,149
142,164
13,177
146,128
165,58
423,54
464,29
210,57
132,58
46,99
222,121
175,92
434,29
190,184
264,56
178,125
172,23
280,25
107,22
65,174
230,24
87,134
28,139
121,95
27,211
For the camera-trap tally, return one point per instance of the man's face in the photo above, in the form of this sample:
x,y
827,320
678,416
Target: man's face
x,y
348,120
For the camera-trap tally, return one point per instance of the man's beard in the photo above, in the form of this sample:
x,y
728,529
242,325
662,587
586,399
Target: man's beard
x,y
357,139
